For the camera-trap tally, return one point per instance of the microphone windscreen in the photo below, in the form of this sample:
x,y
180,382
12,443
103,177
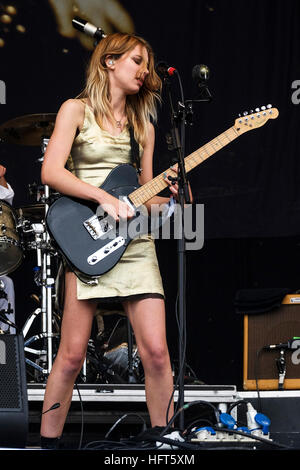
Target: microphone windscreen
x,y
200,72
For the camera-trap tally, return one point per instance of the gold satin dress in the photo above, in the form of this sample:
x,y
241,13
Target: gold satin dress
x,y
95,152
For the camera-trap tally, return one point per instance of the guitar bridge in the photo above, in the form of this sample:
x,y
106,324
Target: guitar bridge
x,y
97,227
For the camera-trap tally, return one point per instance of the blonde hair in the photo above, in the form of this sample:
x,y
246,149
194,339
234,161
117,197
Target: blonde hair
x,y
140,107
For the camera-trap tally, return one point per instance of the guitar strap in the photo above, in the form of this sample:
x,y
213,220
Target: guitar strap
x,y
135,151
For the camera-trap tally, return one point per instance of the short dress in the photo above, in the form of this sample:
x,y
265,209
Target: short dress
x,y
95,152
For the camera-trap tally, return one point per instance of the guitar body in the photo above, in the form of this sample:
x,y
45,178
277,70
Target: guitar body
x,y
65,221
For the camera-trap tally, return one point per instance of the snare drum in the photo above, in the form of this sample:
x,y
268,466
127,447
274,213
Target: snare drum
x,y
11,253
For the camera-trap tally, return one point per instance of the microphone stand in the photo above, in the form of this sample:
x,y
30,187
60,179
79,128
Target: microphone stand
x,y
178,120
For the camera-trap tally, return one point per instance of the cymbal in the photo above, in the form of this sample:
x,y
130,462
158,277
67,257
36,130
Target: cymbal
x,y
32,211
28,130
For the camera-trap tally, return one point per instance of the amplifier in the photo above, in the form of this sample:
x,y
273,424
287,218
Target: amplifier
x,y
13,392
276,367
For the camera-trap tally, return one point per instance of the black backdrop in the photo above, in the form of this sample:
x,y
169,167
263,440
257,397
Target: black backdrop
x,y
250,189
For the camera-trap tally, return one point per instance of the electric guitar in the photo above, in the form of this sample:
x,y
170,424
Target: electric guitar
x,y
93,244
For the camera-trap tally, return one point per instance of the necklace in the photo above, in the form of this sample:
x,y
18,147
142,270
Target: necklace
x,y
119,122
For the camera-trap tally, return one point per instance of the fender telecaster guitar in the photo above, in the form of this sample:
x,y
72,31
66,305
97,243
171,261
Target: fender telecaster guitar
x,y
93,245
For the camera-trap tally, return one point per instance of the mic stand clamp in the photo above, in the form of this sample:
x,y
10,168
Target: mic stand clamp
x,y
174,143
189,114
281,367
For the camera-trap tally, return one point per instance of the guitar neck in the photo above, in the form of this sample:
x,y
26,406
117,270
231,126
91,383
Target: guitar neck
x,y
157,184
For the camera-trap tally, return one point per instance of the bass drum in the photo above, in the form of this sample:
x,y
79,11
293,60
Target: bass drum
x,y
11,252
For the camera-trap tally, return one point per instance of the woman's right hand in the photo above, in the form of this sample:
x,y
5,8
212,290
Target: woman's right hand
x,y
114,207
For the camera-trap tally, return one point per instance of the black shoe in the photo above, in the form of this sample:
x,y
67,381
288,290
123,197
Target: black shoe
x,y
50,442
150,433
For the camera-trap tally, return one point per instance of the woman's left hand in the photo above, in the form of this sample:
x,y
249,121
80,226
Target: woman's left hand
x,y
171,179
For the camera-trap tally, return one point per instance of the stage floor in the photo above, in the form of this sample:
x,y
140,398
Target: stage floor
x,y
136,393
98,407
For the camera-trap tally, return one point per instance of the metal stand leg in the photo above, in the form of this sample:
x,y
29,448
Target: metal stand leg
x,y
44,279
131,378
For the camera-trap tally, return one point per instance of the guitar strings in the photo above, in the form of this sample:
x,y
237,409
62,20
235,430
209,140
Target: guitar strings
x,y
157,184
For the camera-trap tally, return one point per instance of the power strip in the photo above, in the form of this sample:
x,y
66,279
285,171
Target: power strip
x,y
221,436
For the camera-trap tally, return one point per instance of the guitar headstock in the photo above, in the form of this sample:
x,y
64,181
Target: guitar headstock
x,y
247,122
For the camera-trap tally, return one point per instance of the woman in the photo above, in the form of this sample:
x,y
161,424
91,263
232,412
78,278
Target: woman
x,y
121,91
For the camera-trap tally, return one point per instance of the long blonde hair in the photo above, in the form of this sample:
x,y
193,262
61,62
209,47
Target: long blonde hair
x,y
140,107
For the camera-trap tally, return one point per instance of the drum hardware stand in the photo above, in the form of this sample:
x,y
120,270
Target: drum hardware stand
x,y
131,377
44,279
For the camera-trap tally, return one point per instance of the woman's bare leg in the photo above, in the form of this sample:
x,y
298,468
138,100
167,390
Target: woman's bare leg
x,y
75,334
147,317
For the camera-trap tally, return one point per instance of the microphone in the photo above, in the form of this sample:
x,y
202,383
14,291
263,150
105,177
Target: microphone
x,y
7,321
53,407
200,73
164,70
291,344
88,28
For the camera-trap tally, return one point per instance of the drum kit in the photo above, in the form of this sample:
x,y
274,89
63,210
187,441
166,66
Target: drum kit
x,y
24,229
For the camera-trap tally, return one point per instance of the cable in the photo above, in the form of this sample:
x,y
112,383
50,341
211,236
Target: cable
x,y
252,436
98,444
198,420
237,403
114,329
120,419
256,378
82,420
188,405
180,370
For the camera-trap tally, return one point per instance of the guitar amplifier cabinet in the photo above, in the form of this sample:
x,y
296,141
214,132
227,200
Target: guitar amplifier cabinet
x,y
261,366
13,392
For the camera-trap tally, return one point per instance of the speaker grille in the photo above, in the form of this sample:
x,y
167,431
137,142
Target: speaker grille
x,y
10,386
273,327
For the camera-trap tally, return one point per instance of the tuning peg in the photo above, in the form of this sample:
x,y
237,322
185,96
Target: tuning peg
x,y
263,108
245,113
269,106
257,110
251,111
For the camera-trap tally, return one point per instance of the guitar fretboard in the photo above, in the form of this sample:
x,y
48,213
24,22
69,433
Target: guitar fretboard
x,y
157,184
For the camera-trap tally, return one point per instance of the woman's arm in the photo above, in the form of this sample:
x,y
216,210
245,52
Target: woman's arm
x,y
70,118
147,171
